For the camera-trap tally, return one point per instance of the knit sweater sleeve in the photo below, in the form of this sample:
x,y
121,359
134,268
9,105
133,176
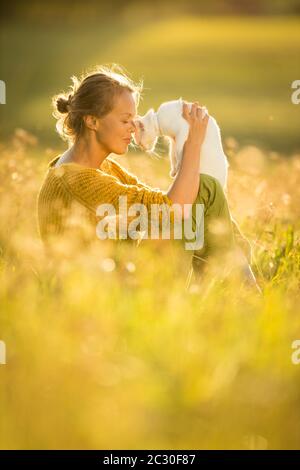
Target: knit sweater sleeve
x,y
92,188
126,176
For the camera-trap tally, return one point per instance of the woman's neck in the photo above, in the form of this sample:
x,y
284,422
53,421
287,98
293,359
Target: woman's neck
x,y
87,153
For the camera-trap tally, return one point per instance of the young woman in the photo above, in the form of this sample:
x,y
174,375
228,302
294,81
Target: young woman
x,y
98,118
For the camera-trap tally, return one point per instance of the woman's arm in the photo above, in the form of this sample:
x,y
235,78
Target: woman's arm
x,y
186,184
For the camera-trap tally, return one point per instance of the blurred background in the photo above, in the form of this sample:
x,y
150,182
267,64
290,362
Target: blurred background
x,y
237,57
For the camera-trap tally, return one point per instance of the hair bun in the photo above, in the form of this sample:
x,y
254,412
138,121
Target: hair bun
x,y
63,103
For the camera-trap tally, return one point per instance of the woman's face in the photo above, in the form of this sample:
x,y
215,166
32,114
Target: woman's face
x,y
114,131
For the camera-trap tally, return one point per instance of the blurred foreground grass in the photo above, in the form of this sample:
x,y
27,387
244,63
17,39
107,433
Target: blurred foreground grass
x,y
108,350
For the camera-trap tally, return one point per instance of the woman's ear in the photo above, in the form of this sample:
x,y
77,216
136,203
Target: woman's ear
x,y
90,122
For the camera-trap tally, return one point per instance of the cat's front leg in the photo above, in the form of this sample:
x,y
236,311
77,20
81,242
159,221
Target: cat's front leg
x,y
173,157
179,144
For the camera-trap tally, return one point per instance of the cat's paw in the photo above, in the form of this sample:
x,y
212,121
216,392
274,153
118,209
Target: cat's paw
x,y
173,173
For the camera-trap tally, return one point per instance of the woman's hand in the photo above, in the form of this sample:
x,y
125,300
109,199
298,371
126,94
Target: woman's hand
x,y
198,119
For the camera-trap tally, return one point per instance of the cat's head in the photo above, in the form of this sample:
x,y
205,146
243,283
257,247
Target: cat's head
x,y
146,130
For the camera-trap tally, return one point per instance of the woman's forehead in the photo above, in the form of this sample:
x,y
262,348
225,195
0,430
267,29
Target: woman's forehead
x,y
125,104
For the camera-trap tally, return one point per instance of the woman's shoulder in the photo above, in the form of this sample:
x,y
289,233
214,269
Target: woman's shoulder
x,y
108,168
57,167
74,173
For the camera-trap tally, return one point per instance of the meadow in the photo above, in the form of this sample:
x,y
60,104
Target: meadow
x,y
108,349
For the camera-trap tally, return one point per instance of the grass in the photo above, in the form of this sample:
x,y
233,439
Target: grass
x,y
108,349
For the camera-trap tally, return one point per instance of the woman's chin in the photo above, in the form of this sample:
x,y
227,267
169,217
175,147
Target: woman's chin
x,y
121,150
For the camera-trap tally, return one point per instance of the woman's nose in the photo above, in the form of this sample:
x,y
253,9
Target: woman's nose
x,y
133,128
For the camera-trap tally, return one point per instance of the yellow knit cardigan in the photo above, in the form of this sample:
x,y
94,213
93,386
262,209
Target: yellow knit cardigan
x,y
70,194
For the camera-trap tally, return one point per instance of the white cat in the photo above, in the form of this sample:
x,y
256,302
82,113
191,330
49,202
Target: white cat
x,y
168,121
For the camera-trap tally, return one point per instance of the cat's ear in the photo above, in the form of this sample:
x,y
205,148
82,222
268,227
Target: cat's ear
x,y
150,117
150,112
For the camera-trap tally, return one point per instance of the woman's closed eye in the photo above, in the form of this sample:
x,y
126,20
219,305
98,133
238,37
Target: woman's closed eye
x,y
129,122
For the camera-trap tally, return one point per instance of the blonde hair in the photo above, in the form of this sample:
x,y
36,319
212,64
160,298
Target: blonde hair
x,y
93,93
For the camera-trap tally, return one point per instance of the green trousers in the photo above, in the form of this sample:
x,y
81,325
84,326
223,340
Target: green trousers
x,y
221,232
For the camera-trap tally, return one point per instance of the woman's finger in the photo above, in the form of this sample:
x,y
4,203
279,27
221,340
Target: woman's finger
x,y
193,110
196,111
185,112
204,112
205,120
199,111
